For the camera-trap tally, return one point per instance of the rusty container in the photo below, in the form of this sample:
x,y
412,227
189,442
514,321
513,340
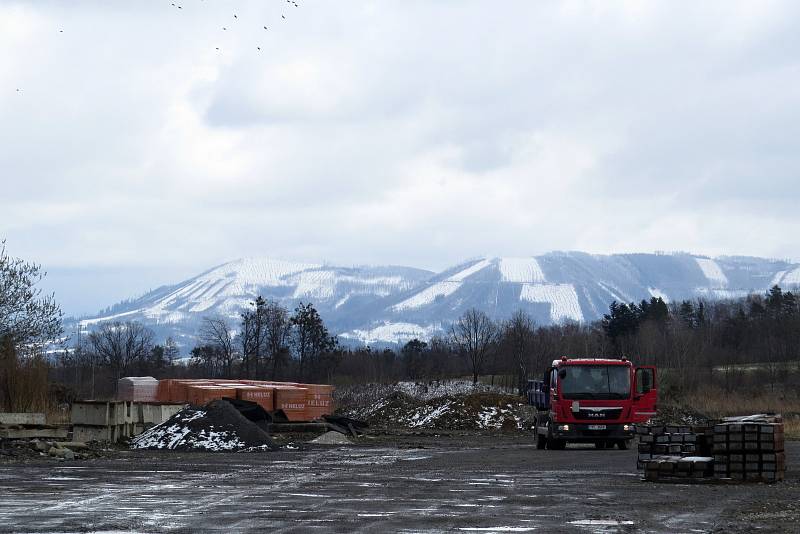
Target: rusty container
x,y
263,396
292,400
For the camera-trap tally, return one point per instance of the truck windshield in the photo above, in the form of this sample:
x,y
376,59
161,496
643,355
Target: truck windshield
x,y
595,382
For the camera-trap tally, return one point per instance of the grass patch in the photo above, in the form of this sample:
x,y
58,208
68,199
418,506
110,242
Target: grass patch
x,y
715,403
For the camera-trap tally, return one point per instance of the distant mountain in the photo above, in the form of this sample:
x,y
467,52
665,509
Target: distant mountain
x,y
393,304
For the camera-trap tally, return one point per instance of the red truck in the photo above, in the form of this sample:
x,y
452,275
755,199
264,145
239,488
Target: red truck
x,y
592,400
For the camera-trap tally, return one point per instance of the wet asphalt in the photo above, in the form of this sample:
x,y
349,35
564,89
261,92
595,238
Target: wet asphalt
x,y
403,483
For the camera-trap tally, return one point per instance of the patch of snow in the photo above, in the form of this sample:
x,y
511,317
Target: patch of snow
x,y
655,292
315,284
469,271
521,270
721,294
424,416
88,322
776,280
615,293
428,295
791,279
392,333
712,272
562,298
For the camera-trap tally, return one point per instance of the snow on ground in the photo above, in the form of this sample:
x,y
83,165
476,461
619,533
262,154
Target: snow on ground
x,y
427,295
88,322
788,279
315,284
657,293
615,293
456,404
469,271
393,332
712,272
521,270
562,298
721,294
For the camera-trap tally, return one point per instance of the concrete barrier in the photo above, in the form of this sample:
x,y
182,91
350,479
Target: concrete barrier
x,y
8,418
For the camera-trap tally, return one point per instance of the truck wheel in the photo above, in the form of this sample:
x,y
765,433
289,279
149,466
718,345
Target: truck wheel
x,y
599,444
556,444
622,444
541,441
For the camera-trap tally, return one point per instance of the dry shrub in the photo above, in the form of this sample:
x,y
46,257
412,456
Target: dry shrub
x,y
23,381
716,402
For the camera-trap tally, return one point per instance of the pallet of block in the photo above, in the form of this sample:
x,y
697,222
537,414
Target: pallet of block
x,y
666,441
678,468
750,448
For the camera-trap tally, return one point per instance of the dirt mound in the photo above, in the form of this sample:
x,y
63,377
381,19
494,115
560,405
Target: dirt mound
x,y
670,413
476,411
217,427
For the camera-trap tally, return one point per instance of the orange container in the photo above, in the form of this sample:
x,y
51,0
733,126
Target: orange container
x,y
202,395
292,400
262,396
163,390
319,400
179,392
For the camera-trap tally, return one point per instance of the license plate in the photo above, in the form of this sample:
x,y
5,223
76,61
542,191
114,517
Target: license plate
x,y
597,427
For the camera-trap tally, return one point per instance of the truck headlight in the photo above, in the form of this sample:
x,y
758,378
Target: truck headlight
x,y
626,427
564,428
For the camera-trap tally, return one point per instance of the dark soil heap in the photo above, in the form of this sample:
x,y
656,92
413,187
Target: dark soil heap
x,y
477,411
216,427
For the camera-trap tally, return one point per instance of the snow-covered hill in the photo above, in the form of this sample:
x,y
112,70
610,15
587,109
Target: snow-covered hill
x,y
394,304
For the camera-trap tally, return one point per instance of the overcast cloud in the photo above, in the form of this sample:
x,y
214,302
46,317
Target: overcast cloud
x,y
406,132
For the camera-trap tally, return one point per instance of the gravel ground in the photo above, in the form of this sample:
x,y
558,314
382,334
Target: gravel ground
x,y
406,482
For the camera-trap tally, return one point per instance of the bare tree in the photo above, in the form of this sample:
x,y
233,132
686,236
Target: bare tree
x,y
474,335
519,338
278,335
121,345
215,332
27,317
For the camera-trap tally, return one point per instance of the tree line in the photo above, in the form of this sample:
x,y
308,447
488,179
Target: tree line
x,y
750,342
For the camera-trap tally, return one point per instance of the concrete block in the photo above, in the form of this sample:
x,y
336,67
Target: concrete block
x,y
87,433
52,432
93,413
11,418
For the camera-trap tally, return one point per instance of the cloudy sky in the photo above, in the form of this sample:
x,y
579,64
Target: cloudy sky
x,y
141,143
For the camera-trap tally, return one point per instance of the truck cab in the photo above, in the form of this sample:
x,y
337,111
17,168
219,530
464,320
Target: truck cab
x,y
592,400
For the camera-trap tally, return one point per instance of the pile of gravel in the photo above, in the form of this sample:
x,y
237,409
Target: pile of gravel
x,y
216,427
331,438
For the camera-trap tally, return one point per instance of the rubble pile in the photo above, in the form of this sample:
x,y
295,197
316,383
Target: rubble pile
x,y
36,449
473,411
216,427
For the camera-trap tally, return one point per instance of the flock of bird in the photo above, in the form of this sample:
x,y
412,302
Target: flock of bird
x,y
224,28
236,18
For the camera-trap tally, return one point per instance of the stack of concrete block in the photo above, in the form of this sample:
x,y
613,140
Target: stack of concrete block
x,y
663,442
750,448
29,425
676,467
117,420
